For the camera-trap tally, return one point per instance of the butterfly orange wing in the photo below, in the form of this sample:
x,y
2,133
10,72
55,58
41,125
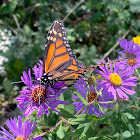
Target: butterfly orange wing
x,y
58,56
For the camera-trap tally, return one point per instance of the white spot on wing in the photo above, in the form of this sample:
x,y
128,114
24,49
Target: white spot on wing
x,y
48,37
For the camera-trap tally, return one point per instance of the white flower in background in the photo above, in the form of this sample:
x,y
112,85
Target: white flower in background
x,y
3,48
5,42
2,60
15,89
2,70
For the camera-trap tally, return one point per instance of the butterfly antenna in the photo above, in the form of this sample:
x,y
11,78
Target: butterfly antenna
x,y
21,82
17,82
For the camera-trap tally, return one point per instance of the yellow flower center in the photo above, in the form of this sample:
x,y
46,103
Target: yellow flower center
x,y
38,94
20,138
99,77
136,40
115,79
132,62
92,96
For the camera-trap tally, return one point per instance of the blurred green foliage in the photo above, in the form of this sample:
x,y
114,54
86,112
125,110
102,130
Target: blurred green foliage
x,y
92,29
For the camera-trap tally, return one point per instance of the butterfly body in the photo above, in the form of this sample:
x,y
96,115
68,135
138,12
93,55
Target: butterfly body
x,y
47,80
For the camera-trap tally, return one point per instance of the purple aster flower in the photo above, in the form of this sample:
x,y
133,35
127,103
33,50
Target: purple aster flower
x,y
90,95
19,130
37,96
131,52
116,81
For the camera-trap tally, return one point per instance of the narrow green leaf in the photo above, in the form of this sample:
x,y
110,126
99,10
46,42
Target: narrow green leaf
x,y
77,121
124,118
65,113
39,130
34,112
136,32
99,107
85,125
96,119
50,137
92,138
83,118
81,97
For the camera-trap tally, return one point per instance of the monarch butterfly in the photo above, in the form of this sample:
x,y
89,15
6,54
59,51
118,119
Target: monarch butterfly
x,y
60,62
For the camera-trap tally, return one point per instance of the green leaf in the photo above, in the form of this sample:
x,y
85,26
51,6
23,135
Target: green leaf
x,y
62,99
99,107
134,6
26,30
10,6
125,119
81,97
83,118
133,138
85,125
50,137
69,34
1,87
34,112
136,32
60,133
107,116
65,113
77,121
129,115
126,134
92,138
7,85
78,132
39,130
95,118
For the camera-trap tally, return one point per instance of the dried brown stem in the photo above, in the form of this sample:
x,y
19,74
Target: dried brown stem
x,y
73,9
17,23
55,126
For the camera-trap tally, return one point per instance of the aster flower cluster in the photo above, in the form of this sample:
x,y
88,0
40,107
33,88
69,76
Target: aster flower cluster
x,y
37,96
131,52
114,81
34,96
117,80
89,93
19,130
